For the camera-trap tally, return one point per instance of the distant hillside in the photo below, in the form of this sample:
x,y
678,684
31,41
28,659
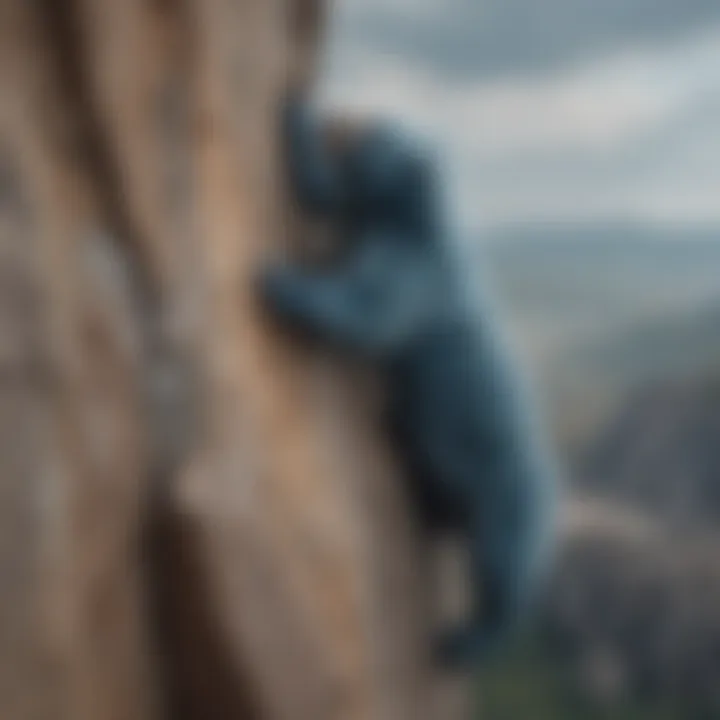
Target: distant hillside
x,y
663,346
661,453
635,606
566,285
598,240
598,310
623,325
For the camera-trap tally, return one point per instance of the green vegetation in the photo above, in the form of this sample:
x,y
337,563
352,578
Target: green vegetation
x,y
530,685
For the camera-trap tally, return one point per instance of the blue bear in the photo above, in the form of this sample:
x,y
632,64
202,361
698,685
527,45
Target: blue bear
x,y
457,414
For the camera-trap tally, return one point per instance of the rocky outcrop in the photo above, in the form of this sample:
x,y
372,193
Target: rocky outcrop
x,y
634,609
199,518
73,642
635,603
661,454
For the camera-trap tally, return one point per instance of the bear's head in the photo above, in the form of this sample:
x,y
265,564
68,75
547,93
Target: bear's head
x,y
386,172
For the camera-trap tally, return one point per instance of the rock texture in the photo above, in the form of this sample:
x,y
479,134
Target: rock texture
x,y
198,518
73,449
661,454
634,610
635,606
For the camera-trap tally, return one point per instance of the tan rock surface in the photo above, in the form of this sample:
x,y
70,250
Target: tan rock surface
x,y
140,186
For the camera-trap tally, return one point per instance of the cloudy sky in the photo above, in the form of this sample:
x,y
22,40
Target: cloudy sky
x,y
546,109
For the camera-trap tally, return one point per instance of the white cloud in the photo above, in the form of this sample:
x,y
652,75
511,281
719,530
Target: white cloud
x,y
559,144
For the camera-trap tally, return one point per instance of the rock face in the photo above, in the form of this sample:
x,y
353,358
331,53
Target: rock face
x,y
198,519
636,614
72,636
661,454
636,604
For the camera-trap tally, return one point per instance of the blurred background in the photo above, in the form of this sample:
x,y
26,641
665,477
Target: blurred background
x,y
581,142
